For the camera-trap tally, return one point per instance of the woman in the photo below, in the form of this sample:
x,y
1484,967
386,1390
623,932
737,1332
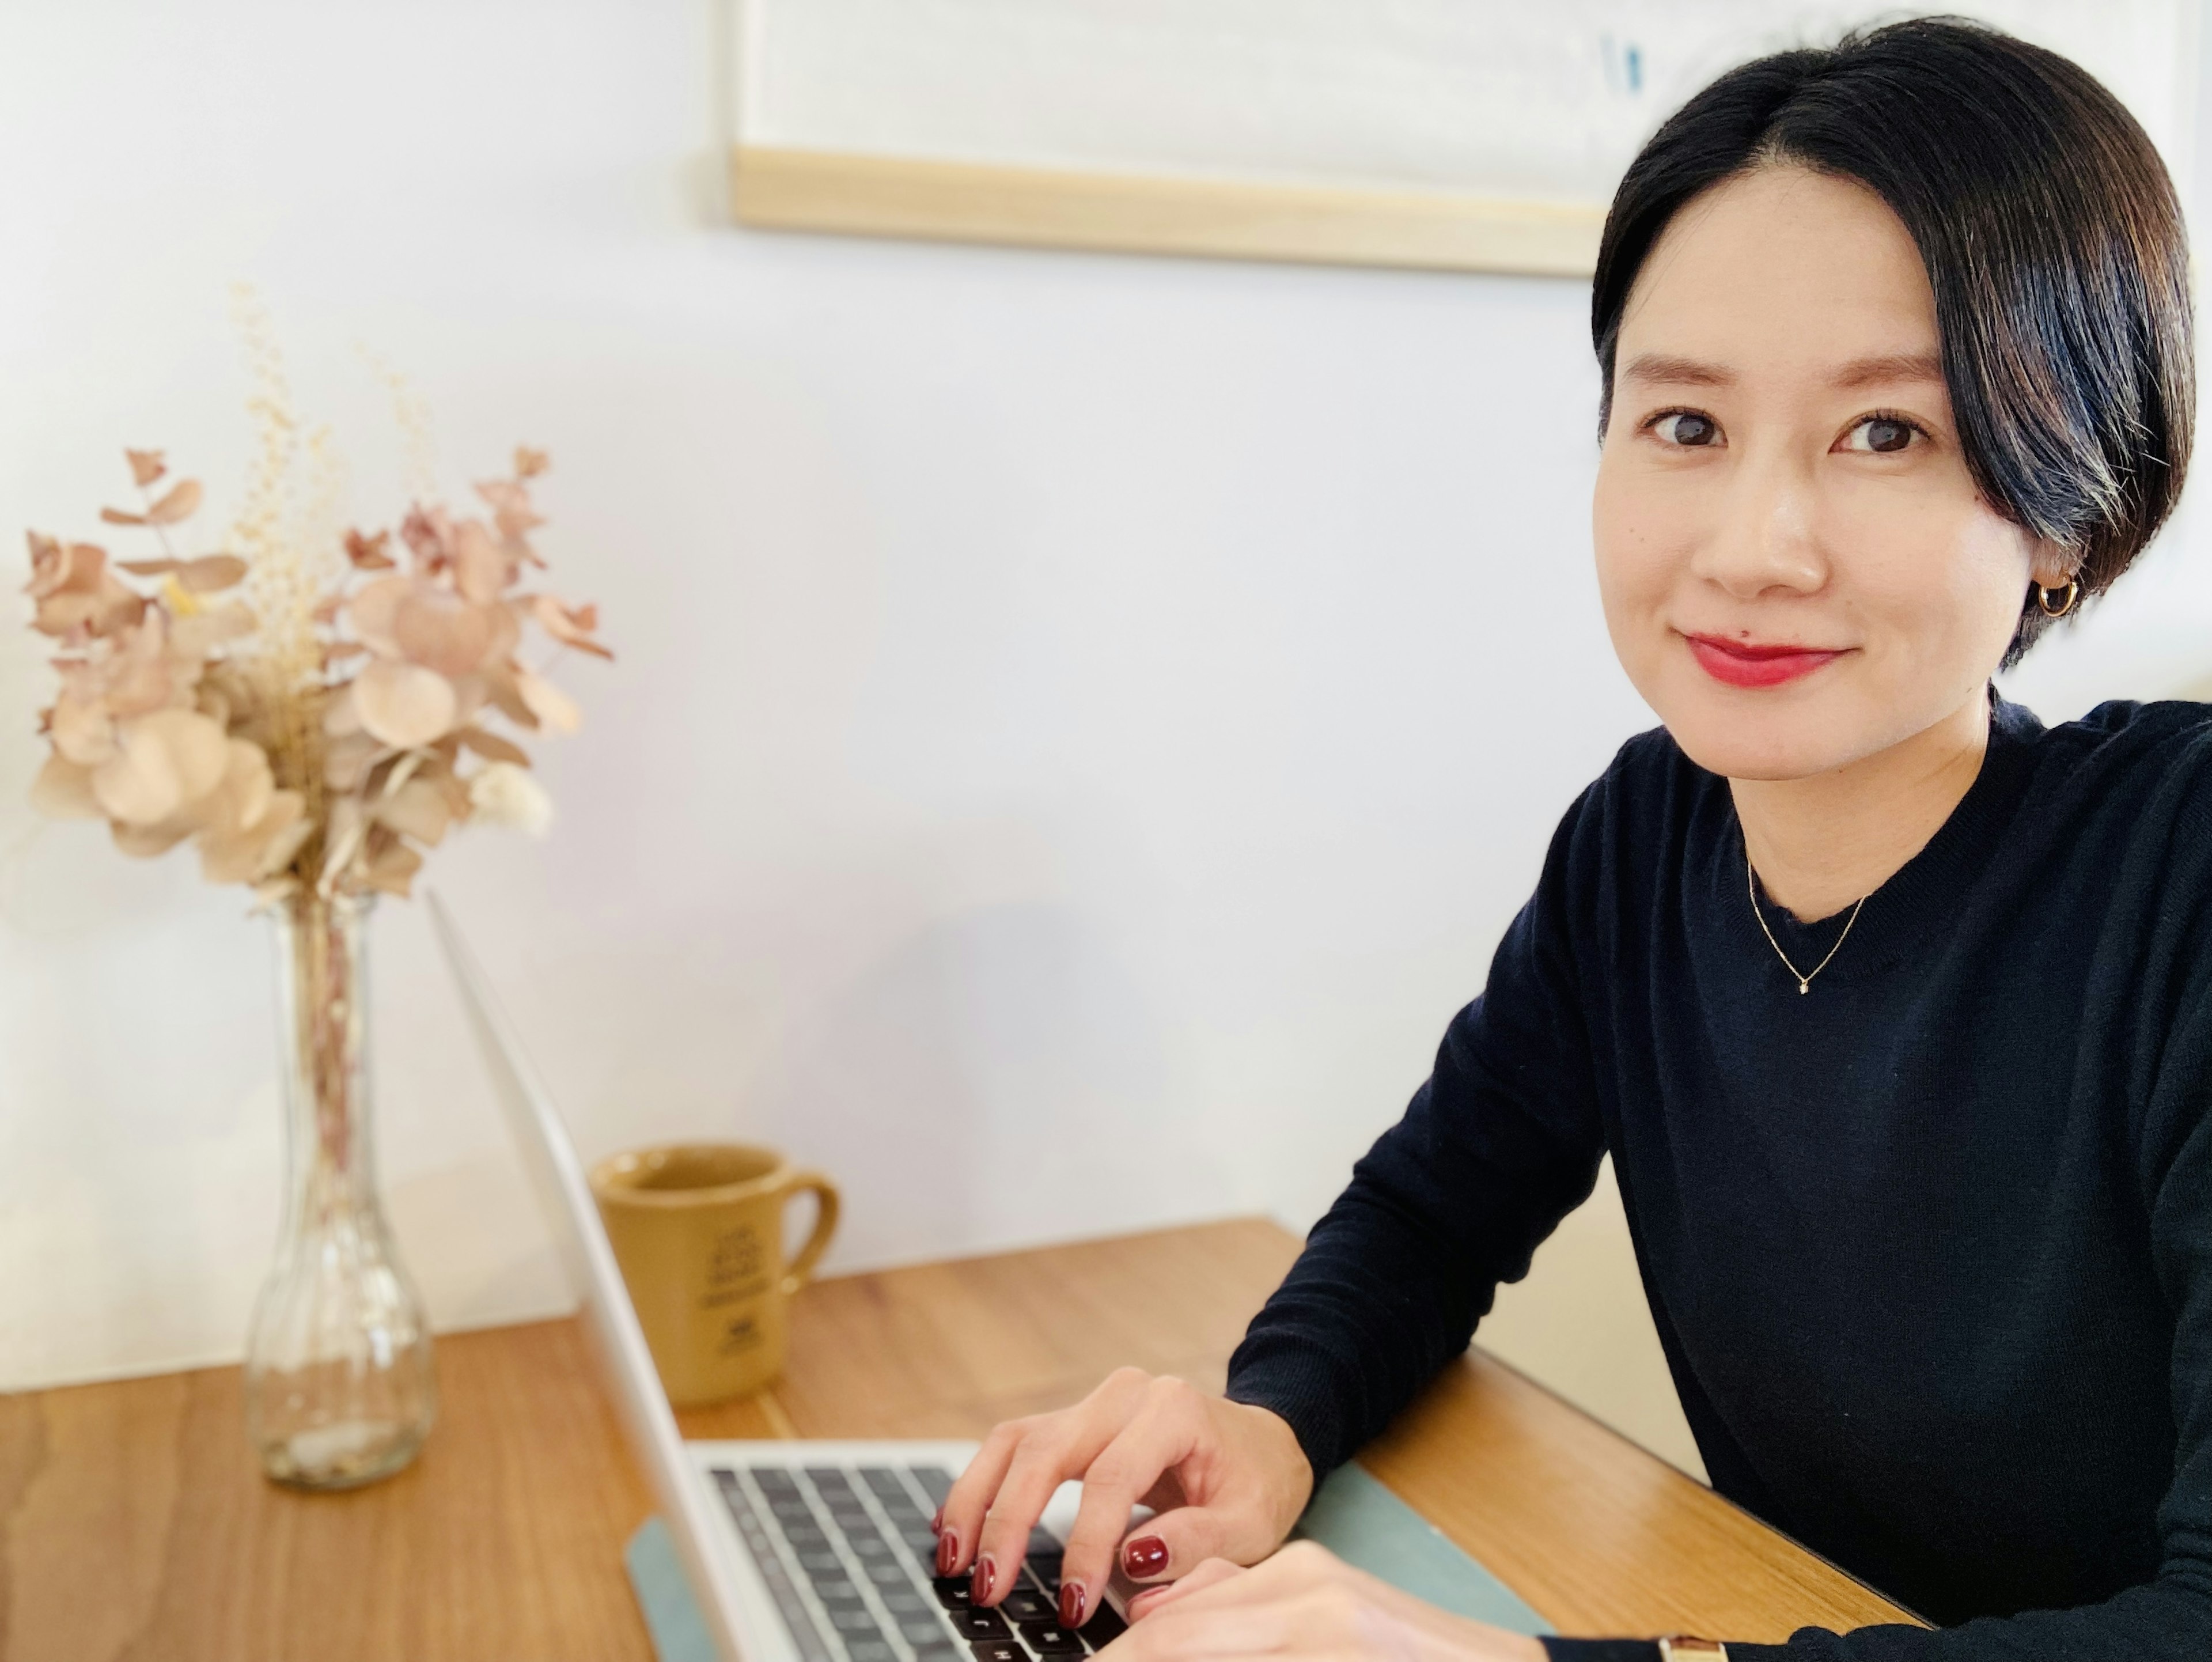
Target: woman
x,y
1893,1006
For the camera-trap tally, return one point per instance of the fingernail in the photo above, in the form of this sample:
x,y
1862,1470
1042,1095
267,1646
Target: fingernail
x,y
948,1551
1073,1602
937,1521
1145,1556
979,1584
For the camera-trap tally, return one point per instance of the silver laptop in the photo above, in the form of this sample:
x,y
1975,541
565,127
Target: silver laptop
x,y
795,1551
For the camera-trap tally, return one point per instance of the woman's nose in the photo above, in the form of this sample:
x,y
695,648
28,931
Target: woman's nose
x,y
1766,535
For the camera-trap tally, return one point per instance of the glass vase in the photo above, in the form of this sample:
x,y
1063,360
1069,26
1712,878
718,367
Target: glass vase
x,y
339,1387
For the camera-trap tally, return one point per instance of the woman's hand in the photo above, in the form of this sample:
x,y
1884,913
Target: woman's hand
x,y
1227,1481
1304,1602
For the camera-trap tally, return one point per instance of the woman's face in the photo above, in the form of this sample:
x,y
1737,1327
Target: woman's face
x,y
1797,569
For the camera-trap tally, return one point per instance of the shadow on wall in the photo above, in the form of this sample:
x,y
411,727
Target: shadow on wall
x,y
1003,1062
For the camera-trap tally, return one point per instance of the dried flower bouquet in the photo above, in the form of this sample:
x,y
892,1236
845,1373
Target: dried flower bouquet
x,y
312,740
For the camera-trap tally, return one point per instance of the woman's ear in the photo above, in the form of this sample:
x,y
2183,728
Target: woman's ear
x,y
2052,566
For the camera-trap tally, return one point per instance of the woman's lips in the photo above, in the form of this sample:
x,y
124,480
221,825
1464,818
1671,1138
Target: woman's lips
x,y
1743,664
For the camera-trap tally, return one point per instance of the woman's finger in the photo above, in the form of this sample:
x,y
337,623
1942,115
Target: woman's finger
x,y
1163,1433
1212,1572
1081,1431
1045,1460
959,1521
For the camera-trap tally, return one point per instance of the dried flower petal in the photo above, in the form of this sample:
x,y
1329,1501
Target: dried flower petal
x,y
181,502
121,516
348,759
197,635
417,809
427,530
82,730
403,704
76,591
239,854
570,625
371,612
438,629
503,793
149,568
493,748
481,571
369,553
63,790
146,467
162,762
147,842
393,869
211,573
528,463
505,698
551,706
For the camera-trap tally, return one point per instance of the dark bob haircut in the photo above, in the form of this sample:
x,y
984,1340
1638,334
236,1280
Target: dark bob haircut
x,y
2052,239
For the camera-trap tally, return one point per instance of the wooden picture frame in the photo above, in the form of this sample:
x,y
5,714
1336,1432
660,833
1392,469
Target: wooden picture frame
x,y
905,118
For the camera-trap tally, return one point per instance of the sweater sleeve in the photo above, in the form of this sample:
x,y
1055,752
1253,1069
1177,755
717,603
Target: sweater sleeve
x,y
1502,1140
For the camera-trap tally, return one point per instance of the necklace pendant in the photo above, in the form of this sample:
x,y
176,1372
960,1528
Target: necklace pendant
x,y
1804,986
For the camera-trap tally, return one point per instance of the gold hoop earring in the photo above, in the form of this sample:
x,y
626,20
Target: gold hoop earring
x,y
2043,598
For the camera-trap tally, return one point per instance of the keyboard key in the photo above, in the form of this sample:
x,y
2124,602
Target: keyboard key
x,y
884,1574
1050,1639
998,1650
940,1649
869,1650
1043,1544
921,1546
951,1591
936,1483
820,1561
1025,1604
775,1481
1104,1627
921,1630
806,1638
903,1601
853,1619
1045,1574
979,1624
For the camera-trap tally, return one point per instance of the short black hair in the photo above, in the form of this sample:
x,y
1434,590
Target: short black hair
x,y
2052,239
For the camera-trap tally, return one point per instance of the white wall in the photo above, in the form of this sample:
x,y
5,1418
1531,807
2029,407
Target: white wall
x,y
1081,726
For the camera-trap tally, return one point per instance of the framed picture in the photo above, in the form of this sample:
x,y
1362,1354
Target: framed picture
x,y
1468,135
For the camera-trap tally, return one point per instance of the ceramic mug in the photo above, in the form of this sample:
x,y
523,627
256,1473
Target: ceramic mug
x,y
697,1228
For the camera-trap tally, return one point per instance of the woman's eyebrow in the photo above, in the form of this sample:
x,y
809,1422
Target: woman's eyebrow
x,y
1890,367
1666,369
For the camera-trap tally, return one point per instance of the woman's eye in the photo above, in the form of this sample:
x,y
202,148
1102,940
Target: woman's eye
x,y
1687,429
1880,435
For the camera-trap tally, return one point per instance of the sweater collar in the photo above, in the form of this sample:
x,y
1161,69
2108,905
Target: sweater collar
x,y
1930,887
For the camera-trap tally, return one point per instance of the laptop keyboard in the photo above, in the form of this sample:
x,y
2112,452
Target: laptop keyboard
x,y
848,1557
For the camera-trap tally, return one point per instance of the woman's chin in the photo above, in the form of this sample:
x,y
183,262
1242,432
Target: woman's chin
x,y
1771,734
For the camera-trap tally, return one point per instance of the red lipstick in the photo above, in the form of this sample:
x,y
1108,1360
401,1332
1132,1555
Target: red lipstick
x,y
1746,664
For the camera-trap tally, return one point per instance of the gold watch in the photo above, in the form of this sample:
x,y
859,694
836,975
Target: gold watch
x,y
1685,1648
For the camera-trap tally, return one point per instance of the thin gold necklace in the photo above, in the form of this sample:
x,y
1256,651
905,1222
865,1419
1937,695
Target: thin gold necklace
x,y
1804,976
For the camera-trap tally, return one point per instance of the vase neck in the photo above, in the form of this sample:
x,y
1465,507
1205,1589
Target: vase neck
x,y
322,1014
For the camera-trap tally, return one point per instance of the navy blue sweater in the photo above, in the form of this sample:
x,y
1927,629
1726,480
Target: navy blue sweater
x,y
1929,1247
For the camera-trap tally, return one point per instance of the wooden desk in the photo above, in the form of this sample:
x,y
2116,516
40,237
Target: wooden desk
x,y
137,1527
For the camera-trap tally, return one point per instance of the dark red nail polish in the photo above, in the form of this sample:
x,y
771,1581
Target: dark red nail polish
x,y
979,1584
948,1551
1145,1556
1073,1600
937,1521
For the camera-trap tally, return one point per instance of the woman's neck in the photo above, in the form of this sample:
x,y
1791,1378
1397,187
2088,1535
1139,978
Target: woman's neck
x,y
1820,842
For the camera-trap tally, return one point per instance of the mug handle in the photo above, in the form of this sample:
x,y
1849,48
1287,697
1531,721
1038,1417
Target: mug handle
x,y
825,1224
